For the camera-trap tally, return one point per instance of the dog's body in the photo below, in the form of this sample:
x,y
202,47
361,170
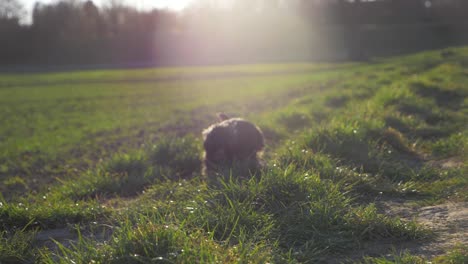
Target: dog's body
x,y
232,140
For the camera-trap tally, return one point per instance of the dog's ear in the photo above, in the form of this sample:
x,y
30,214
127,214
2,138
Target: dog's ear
x,y
222,116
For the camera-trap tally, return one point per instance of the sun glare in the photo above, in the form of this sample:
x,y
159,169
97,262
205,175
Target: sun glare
x,y
170,4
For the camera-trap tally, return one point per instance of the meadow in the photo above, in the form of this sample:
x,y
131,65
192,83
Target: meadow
x,y
104,166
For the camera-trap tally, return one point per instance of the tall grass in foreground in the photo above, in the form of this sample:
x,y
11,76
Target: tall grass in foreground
x,y
16,247
283,211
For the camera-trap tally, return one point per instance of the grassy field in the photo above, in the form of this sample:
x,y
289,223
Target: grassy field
x,y
105,166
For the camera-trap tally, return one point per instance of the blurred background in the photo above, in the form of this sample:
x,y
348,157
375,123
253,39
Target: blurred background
x,y
113,33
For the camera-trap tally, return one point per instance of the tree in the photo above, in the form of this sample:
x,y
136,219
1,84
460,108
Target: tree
x,y
12,46
11,10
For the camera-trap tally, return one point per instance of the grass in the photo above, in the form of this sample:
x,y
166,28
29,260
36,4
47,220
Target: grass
x,y
115,157
47,212
47,126
16,247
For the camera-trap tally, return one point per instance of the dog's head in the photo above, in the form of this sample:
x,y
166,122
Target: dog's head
x,y
232,138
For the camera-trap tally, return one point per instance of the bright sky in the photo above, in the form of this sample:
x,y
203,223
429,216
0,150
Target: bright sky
x,y
143,4
140,4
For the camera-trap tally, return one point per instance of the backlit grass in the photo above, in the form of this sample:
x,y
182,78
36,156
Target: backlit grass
x,y
115,157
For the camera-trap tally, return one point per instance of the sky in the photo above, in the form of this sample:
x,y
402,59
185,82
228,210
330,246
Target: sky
x,y
140,4
143,4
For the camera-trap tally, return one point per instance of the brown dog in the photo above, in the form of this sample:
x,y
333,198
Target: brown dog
x,y
232,141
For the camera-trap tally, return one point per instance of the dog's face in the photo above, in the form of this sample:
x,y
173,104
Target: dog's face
x,y
218,156
232,141
214,143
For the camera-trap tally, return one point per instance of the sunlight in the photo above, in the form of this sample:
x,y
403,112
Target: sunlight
x,y
170,4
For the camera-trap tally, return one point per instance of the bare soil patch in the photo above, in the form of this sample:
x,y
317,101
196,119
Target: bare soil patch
x,y
448,222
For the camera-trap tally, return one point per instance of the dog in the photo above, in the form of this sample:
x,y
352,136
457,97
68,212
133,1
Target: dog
x,y
232,142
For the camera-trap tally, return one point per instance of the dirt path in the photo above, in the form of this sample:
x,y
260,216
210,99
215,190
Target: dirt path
x,y
448,222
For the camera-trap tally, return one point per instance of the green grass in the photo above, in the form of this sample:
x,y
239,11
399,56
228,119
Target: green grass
x,y
16,247
47,126
115,156
48,212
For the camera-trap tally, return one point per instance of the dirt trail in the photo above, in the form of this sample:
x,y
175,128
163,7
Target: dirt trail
x,y
69,235
448,222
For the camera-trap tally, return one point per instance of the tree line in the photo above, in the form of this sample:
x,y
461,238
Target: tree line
x,y
73,32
